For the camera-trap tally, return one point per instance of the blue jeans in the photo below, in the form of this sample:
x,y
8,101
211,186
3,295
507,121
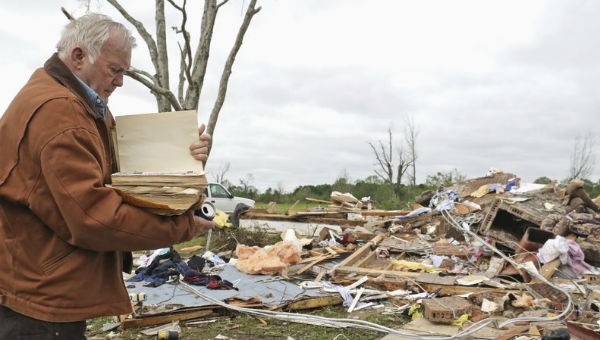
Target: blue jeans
x,y
20,327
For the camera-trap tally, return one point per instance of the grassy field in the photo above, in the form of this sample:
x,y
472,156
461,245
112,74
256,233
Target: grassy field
x,y
241,326
282,208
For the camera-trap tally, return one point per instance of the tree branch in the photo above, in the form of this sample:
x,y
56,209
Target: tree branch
x,y
161,44
143,78
186,53
222,3
250,12
202,52
67,14
141,30
381,157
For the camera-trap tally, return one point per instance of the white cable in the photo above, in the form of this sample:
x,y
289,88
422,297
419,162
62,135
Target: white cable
x,y
357,323
517,265
334,322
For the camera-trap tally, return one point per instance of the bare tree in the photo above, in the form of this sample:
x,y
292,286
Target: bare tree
x,y
387,170
410,135
192,64
246,183
281,187
583,159
220,174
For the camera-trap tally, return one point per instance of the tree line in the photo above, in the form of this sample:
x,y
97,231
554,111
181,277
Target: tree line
x,y
381,194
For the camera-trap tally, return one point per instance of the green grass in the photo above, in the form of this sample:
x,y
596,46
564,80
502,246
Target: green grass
x,y
243,326
282,208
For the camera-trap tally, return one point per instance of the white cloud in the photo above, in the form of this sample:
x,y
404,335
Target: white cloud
x,y
506,84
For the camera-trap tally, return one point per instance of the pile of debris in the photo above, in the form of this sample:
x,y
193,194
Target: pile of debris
x,y
488,255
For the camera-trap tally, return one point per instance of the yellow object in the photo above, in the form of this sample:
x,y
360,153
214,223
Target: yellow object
x,y
403,264
461,320
415,311
482,191
221,218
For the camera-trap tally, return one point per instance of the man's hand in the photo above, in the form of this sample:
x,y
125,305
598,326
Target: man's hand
x,y
203,225
199,149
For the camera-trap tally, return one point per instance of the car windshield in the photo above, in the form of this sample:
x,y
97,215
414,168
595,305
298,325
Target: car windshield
x,y
218,191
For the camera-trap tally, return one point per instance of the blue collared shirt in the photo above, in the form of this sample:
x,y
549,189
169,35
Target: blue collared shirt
x,y
94,98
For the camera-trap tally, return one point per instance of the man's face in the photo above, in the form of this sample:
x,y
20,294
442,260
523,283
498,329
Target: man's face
x,y
106,73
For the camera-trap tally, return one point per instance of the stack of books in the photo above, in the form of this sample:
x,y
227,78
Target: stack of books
x,y
156,170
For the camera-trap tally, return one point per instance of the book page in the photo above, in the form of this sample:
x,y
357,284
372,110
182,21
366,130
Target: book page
x,y
157,142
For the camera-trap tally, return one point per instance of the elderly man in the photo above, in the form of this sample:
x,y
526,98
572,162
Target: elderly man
x,y
63,233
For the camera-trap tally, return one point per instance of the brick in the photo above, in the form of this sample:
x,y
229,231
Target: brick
x,y
446,309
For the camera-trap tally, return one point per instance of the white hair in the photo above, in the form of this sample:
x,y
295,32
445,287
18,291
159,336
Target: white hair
x,y
91,31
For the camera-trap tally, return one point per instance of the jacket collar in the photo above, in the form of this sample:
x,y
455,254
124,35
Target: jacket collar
x,y
57,69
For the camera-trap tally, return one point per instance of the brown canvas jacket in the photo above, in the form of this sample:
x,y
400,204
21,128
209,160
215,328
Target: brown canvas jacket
x,y
61,230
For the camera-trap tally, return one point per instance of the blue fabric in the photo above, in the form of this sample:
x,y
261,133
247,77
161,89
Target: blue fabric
x,y
158,273
99,104
443,200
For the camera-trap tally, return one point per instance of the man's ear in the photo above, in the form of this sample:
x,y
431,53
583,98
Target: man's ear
x,y
77,56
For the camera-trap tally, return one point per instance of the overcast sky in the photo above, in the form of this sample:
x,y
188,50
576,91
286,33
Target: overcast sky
x,y
502,84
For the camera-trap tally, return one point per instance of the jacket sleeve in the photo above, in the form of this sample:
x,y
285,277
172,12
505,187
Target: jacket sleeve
x,y
85,213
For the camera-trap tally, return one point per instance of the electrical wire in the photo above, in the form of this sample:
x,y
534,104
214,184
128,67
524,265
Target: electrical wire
x,y
333,322
357,323
465,228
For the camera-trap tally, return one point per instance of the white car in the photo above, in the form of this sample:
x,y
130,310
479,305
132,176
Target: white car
x,y
223,200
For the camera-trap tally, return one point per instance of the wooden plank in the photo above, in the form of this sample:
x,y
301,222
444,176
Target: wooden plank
x,y
322,273
362,251
317,260
458,290
339,249
376,272
259,215
189,250
356,299
291,211
365,259
315,302
384,212
308,214
547,270
318,200
164,318
449,250
313,253
331,251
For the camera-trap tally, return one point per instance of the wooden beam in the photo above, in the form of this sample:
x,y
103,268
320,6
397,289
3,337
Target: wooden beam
x,y
458,290
315,261
547,270
384,212
331,251
260,215
321,274
365,259
291,211
362,251
318,200
315,302
377,272
164,318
